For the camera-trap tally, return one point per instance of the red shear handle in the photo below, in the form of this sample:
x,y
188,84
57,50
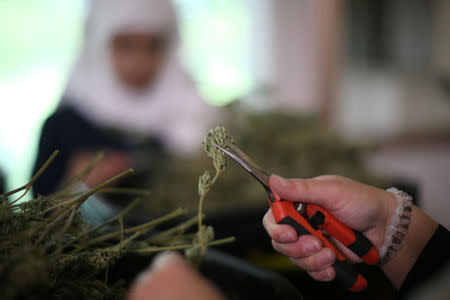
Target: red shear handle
x,y
346,275
354,240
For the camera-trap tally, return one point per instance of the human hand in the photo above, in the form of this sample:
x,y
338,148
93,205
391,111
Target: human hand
x,y
361,207
170,277
112,163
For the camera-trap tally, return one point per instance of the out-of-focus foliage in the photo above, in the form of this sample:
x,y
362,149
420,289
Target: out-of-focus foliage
x,y
45,254
289,145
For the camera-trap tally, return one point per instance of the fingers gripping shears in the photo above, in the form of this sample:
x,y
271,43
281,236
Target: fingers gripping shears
x,y
312,219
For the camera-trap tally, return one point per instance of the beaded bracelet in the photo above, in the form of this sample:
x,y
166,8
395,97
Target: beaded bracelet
x,y
398,227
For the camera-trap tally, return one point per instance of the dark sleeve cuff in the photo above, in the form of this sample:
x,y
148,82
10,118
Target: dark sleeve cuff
x,y
433,258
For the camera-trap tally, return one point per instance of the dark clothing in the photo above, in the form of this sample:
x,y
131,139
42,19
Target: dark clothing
x,y
69,132
434,257
2,183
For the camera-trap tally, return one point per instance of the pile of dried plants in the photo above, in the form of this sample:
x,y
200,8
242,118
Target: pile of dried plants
x,y
48,252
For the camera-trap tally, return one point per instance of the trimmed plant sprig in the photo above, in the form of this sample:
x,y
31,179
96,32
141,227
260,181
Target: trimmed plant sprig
x,y
205,234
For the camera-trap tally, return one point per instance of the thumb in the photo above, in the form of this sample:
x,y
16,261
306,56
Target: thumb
x,y
171,277
303,190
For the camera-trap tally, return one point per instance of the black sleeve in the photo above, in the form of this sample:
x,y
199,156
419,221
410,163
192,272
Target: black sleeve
x,y
49,142
433,258
67,131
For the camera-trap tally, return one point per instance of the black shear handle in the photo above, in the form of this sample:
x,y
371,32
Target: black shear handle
x,y
284,212
346,273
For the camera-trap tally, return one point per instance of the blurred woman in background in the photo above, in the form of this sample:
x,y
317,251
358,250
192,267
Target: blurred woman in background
x,y
127,89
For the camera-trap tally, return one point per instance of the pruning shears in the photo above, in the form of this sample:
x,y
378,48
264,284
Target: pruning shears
x,y
312,219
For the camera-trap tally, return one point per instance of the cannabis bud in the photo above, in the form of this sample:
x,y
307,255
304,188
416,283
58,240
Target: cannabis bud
x,y
204,235
102,258
204,182
217,136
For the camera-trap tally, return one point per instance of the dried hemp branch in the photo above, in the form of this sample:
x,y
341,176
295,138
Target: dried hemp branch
x,y
205,234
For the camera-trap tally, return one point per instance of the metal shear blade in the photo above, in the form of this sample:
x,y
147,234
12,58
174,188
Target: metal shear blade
x,y
245,162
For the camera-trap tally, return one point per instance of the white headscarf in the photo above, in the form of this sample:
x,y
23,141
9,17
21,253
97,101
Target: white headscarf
x,y
170,108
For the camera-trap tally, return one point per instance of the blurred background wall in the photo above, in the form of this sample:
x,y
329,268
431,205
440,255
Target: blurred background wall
x,y
375,71
39,43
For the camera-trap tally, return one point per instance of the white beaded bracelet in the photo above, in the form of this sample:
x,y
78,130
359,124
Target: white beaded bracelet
x,y
398,227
